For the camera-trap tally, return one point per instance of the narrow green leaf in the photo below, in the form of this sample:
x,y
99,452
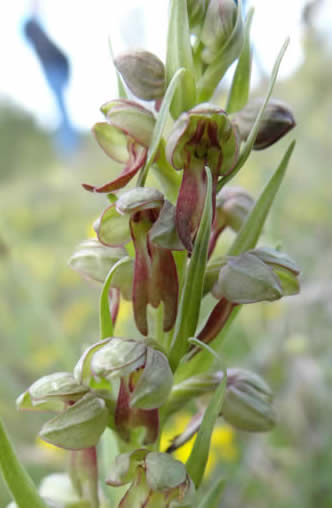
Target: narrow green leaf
x,y
248,145
160,124
105,318
16,478
211,498
179,54
239,92
192,291
121,88
199,455
252,228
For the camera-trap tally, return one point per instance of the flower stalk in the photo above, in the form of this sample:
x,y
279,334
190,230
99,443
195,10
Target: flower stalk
x,y
162,250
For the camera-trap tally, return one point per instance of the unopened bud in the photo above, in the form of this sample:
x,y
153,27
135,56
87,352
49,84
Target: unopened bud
x,y
276,122
248,402
93,260
157,479
219,23
196,13
143,73
233,205
257,275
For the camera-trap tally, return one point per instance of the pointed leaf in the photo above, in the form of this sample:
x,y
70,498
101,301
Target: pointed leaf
x,y
239,92
193,285
179,54
248,146
105,318
16,478
211,498
252,228
199,455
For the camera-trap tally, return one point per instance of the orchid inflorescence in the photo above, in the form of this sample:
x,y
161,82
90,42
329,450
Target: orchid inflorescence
x,y
161,250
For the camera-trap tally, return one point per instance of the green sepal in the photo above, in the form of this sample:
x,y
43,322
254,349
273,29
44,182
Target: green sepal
x,y
82,370
80,426
192,291
239,92
155,383
112,228
124,467
179,55
163,472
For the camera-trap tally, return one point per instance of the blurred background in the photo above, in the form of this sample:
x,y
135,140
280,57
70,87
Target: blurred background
x,y
56,71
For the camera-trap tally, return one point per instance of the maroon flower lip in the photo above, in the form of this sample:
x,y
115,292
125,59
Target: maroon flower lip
x,y
204,136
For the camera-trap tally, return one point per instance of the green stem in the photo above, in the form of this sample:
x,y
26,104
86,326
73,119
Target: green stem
x,y
17,479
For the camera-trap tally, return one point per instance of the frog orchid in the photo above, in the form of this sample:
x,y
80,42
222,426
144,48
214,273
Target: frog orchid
x,y
125,138
204,136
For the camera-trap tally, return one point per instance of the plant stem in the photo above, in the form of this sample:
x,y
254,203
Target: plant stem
x,y
16,477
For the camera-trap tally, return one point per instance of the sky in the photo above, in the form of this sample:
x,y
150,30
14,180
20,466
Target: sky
x,y
83,30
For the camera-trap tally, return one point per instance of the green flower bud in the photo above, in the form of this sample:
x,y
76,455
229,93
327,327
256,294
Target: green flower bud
x,y
52,393
258,275
277,121
157,480
218,26
79,426
123,357
143,73
93,260
196,14
248,402
247,279
233,205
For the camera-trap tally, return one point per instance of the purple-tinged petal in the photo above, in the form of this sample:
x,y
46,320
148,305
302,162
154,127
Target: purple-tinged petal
x,y
216,320
142,270
190,204
135,162
164,284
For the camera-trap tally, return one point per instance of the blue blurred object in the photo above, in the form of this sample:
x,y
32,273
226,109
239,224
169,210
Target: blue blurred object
x,y
56,68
